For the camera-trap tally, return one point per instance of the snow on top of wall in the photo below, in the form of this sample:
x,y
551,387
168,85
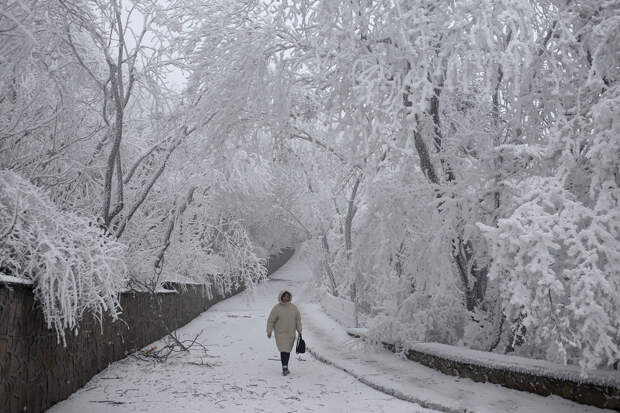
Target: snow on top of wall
x,y
357,332
162,290
14,280
341,310
519,364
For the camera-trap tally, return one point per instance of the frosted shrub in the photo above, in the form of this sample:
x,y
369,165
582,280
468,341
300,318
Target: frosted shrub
x,y
422,317
406,286
225,262
556,262
75,268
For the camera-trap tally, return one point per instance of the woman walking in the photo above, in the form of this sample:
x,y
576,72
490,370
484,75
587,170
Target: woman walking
x,y
284,319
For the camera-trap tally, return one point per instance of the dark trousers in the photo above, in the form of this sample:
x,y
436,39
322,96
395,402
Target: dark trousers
x,y
284,356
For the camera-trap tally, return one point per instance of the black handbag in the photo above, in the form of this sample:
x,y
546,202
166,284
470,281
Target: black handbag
x,y
301,345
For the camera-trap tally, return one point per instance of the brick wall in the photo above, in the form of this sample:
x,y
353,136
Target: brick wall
x,y
36,371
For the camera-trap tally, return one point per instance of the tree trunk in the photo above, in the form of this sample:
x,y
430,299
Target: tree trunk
x,y
328,269
462,251
172,219
348,222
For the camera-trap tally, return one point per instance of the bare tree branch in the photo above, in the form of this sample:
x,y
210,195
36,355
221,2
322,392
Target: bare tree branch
x,y
306,137
137,163
172,219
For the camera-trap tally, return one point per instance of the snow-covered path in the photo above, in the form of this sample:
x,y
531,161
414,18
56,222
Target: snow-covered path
x,y
245,375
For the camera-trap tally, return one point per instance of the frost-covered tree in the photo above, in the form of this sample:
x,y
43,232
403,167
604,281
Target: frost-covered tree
x,y
559,273
454,164
488,102
47,123
112,140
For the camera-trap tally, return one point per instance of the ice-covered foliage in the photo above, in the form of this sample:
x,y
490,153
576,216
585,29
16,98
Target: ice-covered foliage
x,y
557,265
406,286
222,225
505,113
217,253
555,250
206,245
48,131
76,269
260,193
417,147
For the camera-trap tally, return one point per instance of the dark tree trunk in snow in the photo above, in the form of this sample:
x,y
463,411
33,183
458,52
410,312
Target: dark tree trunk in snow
x,y
473,278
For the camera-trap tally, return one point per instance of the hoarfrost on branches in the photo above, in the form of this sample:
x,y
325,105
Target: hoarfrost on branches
x,y
556,278
455,169
76,268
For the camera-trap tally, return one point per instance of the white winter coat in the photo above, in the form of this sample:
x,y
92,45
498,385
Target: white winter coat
x,y
284,319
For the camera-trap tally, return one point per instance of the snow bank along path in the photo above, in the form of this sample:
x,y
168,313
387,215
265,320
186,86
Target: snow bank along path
x,y
246,374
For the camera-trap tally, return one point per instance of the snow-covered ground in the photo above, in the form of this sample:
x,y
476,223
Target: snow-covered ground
x,y
245,374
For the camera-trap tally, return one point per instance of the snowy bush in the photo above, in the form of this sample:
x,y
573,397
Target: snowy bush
x,y
556,261
75,268
421,317
406,288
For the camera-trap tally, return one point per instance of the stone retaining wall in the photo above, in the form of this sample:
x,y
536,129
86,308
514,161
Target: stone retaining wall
x,y
36,371
580,392
583,392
